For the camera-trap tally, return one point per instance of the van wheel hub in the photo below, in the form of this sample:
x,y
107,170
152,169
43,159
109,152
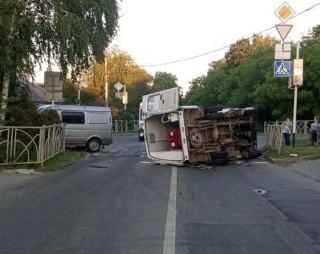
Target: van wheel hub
x,y
196,139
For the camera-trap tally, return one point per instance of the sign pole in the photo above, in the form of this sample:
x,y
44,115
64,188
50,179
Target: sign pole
x,y
52,92
295,101
125,90
106,78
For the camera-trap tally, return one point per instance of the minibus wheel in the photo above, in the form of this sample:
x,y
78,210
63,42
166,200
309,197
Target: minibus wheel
x,y
93,145
212,109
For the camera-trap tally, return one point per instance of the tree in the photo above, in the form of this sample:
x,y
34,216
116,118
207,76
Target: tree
x,y
68,32
238,52
163,81
121,68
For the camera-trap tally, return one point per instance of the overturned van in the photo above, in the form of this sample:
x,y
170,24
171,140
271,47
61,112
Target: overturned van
x,y
179,135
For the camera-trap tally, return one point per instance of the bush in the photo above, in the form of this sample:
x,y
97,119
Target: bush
x,y
49,117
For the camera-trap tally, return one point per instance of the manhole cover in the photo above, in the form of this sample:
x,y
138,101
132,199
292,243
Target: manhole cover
x,y
259,191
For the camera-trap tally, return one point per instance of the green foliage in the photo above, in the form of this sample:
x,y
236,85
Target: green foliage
x,y
69,32
49,117
302,149
61,160
163,80
121,68
245,78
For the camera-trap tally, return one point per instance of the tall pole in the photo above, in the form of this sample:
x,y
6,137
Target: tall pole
x,y
79,92
295,104
125,92
52,91
106,77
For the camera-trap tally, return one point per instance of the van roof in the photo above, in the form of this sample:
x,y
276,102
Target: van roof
x,y
75,108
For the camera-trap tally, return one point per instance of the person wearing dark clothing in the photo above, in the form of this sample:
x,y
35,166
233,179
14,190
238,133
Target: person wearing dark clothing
x,y
314,131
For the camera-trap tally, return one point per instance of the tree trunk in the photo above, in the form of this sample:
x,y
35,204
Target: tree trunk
x,y
4,101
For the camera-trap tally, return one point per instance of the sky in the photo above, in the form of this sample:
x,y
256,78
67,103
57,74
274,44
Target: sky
x,y
155,32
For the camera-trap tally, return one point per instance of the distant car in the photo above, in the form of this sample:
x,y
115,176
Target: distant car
x,y
180,135
86,126
141,121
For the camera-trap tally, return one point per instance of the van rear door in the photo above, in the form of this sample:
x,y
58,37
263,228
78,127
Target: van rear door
x,y
161,102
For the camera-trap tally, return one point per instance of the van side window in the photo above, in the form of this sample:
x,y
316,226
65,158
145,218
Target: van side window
x,y
72,117
99,118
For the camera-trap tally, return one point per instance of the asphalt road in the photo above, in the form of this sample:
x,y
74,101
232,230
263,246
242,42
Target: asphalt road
x,y
118,202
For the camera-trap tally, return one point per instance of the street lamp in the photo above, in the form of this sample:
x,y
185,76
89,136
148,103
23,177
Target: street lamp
x,y
298,72
125,98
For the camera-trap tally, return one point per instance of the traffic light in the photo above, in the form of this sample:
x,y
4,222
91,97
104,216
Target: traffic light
x,y
125,97
297,72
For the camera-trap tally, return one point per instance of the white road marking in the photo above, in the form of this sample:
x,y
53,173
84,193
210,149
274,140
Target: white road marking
x,y
145,162
169,245
260,162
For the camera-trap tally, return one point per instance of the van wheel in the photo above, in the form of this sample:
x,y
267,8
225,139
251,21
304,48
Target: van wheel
x,y
255,154
219,155
93,145
214,116
212,109
220,161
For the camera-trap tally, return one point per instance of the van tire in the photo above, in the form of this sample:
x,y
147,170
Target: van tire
x,y
218,155
93,145
212,109
214,116
220,161
255,154
250,112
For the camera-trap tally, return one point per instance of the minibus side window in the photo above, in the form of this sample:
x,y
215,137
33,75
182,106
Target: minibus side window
x,y
72,117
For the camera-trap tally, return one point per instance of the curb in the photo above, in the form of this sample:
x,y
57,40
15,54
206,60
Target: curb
x,y
21,171
291,160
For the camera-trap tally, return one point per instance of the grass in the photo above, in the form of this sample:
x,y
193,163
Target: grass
x,y
302,149
61,160
53,164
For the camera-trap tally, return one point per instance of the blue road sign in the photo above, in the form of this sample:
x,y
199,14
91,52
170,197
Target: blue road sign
x,y
282,68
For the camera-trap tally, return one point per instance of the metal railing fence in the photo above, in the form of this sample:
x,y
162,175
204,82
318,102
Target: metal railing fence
x,y
125,126
30,145
274,133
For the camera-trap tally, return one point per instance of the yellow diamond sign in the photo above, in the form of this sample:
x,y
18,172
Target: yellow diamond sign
x,y
284,12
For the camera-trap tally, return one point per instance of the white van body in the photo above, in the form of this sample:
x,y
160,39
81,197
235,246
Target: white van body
x,y
180,135
86,126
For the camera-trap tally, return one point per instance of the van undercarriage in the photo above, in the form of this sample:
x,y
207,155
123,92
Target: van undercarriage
x,y
190,136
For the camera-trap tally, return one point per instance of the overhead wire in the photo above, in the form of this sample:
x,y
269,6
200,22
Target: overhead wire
x,y
224,47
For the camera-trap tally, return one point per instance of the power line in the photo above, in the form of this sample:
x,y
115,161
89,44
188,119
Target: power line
x,y
225,47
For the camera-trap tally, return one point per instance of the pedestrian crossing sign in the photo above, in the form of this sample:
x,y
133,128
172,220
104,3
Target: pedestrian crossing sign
x,y
282,68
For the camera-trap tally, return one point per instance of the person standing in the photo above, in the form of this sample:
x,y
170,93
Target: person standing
x,y
314,130
286,130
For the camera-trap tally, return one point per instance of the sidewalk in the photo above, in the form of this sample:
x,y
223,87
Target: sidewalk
x,y
306,166
310,169
9,179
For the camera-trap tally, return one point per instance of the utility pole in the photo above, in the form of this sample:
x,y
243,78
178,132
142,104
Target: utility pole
x,y
297,81
79,92
106,76
295,101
